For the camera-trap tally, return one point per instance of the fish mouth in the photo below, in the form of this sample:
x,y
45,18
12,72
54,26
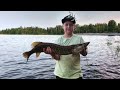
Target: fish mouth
x,y
86,44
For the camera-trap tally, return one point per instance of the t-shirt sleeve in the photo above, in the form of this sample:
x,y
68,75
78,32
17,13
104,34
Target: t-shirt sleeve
x,y
81,40
57,41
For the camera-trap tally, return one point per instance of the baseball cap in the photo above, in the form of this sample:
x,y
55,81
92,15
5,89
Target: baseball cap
x,y
69,18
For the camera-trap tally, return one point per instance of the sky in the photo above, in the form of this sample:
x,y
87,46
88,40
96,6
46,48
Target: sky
x,y
44,19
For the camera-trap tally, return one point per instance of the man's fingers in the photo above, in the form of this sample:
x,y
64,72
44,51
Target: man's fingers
x,y
48,50
44,49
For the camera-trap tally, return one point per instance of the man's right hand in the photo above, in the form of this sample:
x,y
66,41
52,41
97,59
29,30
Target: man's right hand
x,y
48,50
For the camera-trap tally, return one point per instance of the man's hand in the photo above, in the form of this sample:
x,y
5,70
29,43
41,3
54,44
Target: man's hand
x,y
48,50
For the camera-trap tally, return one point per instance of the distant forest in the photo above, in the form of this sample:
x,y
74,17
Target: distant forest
x,y
110,27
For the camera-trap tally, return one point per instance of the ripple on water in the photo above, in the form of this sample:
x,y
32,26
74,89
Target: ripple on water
x,y
98,64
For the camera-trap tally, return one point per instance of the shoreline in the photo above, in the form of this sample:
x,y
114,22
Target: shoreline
x,y
104,34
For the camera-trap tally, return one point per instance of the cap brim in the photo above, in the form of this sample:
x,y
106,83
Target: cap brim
x,y
65,20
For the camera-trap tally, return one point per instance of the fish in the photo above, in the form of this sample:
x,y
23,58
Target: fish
x,y
37,47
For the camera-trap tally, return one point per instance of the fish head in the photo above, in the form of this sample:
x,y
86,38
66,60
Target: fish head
x,y
86,44
79,48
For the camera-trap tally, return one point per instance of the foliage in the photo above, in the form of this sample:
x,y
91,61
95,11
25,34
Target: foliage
x,y
111,27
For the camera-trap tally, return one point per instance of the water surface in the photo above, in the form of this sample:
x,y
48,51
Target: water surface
x,y
102,61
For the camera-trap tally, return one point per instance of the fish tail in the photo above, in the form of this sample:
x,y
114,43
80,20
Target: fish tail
x,y
26,55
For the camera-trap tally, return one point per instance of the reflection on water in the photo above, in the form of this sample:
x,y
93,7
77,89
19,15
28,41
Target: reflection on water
x,y
102,61
113,44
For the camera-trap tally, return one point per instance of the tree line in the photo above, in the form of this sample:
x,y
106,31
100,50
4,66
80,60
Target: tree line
x,y
110,27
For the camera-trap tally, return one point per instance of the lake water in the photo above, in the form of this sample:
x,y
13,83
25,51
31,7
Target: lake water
x,y
102,61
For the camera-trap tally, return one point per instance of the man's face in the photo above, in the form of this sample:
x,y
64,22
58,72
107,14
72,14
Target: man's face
x,y
68,27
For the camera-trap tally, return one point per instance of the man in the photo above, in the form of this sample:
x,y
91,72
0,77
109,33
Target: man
x,y
68,67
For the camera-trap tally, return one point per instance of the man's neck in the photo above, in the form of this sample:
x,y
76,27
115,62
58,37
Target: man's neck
x,y
68,36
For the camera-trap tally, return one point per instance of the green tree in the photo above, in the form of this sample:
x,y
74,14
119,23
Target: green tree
x,y
112,26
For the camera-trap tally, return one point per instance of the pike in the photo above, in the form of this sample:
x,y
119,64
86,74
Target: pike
x,y
37,47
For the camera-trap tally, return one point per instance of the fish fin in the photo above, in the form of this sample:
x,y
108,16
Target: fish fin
x,y
26,55
37,54
55,55
52,57
35,43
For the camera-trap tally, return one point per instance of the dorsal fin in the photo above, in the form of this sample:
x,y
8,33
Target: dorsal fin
x,y
35,43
